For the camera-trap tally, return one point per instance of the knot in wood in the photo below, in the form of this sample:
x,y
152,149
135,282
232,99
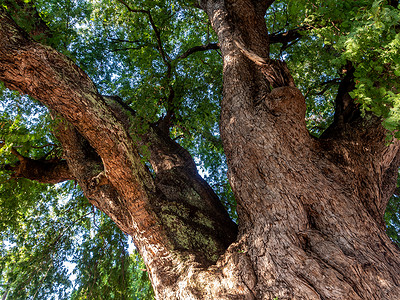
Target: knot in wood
x,y
288,101
99,180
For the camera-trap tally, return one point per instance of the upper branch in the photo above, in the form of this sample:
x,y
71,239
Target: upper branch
x,y
289,37
26,10
210,46
358,144
166,59
347,118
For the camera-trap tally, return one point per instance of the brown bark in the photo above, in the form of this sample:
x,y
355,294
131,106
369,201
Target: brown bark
x,y
185,223
25,12
41,170
310,211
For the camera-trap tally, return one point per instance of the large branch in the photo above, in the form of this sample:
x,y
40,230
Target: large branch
x,y
57,82
159,212
85,164
41,170
260,6
51,77
176,175
352,138
166,59
346,110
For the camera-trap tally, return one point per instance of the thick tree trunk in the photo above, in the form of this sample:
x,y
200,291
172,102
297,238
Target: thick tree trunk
x,y
310,210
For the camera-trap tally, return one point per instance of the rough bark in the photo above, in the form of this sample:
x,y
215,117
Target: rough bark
x,y
310,210
41,170
171,221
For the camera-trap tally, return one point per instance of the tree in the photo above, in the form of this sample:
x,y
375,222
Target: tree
x,y
310,202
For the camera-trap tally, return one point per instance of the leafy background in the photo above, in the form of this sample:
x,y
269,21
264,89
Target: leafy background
x,y
54,244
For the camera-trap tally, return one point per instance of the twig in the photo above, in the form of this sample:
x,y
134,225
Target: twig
x,y
124,41
164,55
327,84
125,49
41,281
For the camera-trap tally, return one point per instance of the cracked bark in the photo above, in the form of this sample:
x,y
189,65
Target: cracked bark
x,y
310,211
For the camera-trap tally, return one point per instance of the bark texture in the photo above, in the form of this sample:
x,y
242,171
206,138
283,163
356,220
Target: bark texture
x,y
41,170
310,210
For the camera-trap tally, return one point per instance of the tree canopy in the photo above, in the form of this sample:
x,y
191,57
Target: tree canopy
x,y
161,59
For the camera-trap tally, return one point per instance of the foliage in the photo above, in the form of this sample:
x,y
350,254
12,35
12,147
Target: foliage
x,y
45,226
366,36
55,245
392,219
392,216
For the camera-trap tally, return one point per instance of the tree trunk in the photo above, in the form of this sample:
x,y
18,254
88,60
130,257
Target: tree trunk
x,y
310,210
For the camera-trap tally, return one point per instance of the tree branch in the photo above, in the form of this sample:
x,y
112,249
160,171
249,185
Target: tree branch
x,y
163,54
139,203
346,109
26,10
326,85
57,82
131,9
260,6
172,164
210,46
288,36
394,3
125,49
36,70
352,139
165,57
124,41
41,170
16,153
